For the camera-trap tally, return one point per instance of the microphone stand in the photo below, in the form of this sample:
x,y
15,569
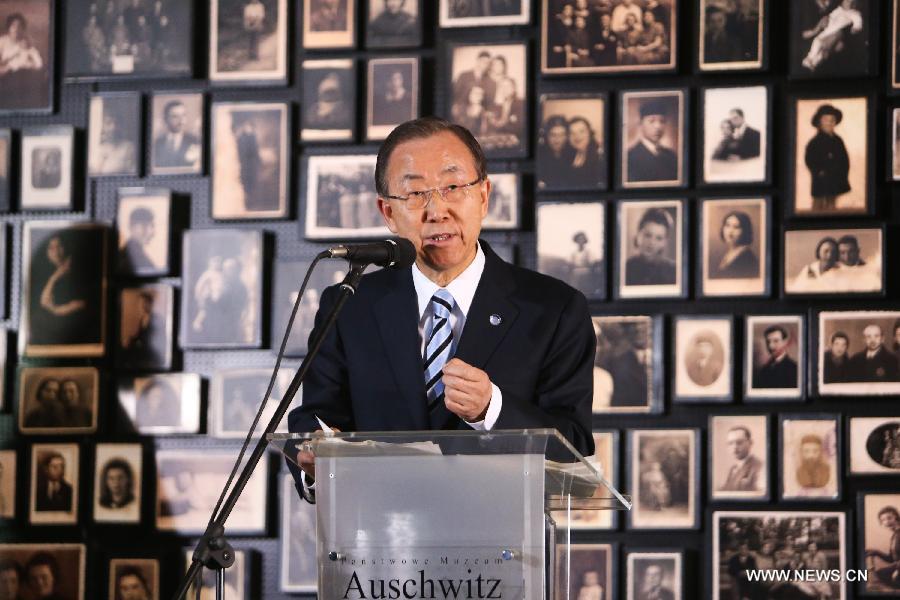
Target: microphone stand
x,y
213,550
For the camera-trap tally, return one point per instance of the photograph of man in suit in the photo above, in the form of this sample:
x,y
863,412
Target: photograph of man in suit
x,y
176,147
651,586
744,474
740,141
780,370
876,363
461,340
12,578
648,159
54,493
131,584
836,360
43,576
705,364
394,24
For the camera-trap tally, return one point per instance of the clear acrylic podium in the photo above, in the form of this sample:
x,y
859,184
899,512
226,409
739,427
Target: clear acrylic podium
x,y
447,514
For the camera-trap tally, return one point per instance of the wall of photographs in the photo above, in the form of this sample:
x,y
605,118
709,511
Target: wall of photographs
x,y
715,175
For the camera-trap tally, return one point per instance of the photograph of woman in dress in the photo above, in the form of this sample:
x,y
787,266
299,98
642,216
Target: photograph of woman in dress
x,y
24,76
739,260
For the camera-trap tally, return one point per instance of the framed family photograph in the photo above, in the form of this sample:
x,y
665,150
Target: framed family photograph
x,y
704,358
664,478
146,326
64,289
328,100
329,24
58,400
651,249
176,122
394,23
833,261
833,38
653,148
393,94
831,164
57,569
134,578
616,37
143,222
7,484
628,364
586,571
250,163
571,242
874,446
28,62
486,93
732,35
6,150
286,286
248,41
774,357
879,521
237,577
504,206
46,168
654,575
341,202
118,477
114,134
54,484
299,567
734,247
856,353
735,138
221,299
461,13
572,142
162,403
235,396
810,457
739,458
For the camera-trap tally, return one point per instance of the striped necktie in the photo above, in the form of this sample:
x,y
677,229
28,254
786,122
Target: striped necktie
x,y
437,348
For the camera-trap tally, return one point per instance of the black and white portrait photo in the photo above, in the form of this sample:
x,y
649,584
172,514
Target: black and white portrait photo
x,y
650,249
858,353
250,160
288,276
663,478
26,55
143,225
58,400
7,487
394,23
145,337
504,203
299,572
134,579
831,150
810,458
482,13
735,134
833,261
653,148
874,445
774,356
393,94
235,396
64,289
221,297
248,41
328,100
54,484
114,134
236,578
731,34
572,143
177,134
162,404
734,246
486,95
329,24
654,575
45,170
704,358
588,570
341,202
739,457
5,168
107,39
117,483
608,37
832,38
627,364
52,571
879,536
571,242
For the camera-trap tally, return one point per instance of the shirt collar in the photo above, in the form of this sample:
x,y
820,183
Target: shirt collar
x,y
462,288
653,148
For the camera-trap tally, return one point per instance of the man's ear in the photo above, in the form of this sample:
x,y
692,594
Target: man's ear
x,y
387,212
486,197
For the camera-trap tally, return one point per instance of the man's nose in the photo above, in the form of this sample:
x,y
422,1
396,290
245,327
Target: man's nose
x,y
435,207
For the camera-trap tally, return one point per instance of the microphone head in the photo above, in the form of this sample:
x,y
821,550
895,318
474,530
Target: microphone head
x,y
404,253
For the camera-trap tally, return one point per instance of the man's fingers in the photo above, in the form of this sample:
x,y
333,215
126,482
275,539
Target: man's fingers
x,y
459,368
455,382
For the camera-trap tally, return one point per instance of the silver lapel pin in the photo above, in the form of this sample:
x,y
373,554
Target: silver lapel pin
x,y
496,320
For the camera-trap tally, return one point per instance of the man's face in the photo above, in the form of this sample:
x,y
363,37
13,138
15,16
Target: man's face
x,y
736,119
131,588
397,80
9,585
652,239
716,22
40,580
887,520
775,343
874,337
50,392
739,443
55,469
827,123
117,482
811,452
483,63
849,253
813,548
70,393
653,576
839,347
556,138
653,127
704,350
143,232
176,118
393,6
745,550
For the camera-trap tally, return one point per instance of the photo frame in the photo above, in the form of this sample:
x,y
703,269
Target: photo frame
x,y
651,249
628,365
652,148
114,134
341,201
298,541
649,572
161,403
135,575
466,14
828,44
876,515
58,400
590,570
6,150
704,358
4,286
733,38
893,150
328,25
735,124
143,223
29,61
54,484
874,446
739,458
504,206
394,26
846,261
571,243
67,559
176,129
242,391
146,326
118,483
810,465
606,459
46,177
4,357
7,484
237,576
658,460
894,48
774,357
251,48
328,111
392,95
734,247
573,142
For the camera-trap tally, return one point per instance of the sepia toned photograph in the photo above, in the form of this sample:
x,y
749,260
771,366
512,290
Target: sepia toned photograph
x,y
328,101
570,244
833,261
54,484
5,169
329,24
857,353
143,224
58,400
462,13
53,571
27,58
235,396
739,457
735,246
767,540
161,404
878,533
504,203
589,570
613,37
894,48
606,460
341,201
250,160
46,168
176,121
188,485
774,357
628,367
393,94
7,486
663,476
114,134
874,446
394,23
894,166
831,157
299,569
653,150
134,578
833,38
288,276
732,34
735,134
64,289
236,578
146,326
651,249
810,457
4,269
248,41
221,299
486,94
654,575
703,358
572,142
118,473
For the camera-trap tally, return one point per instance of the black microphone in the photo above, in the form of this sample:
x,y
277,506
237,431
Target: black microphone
x,y
395,253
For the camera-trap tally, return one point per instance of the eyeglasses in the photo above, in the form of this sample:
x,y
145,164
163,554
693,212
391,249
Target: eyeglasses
x,y
450,193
